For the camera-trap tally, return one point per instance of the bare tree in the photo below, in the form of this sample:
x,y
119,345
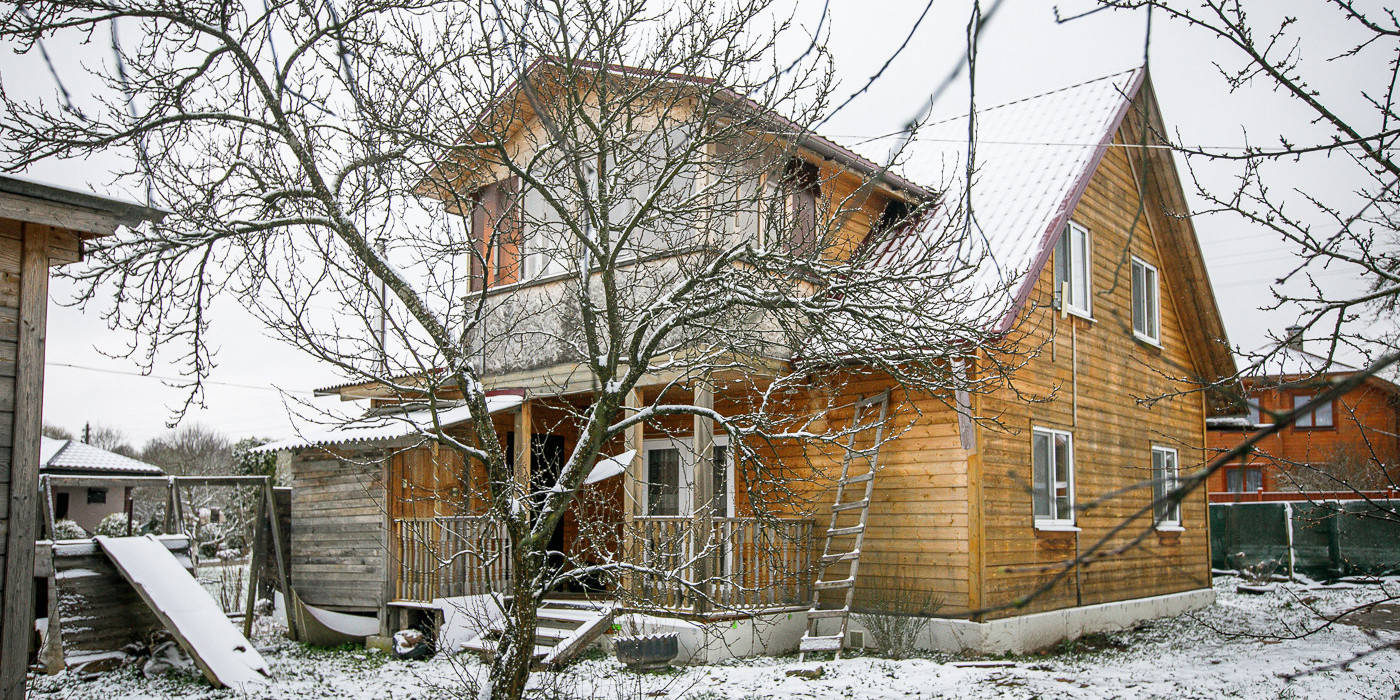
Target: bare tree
x,y
108,438
367,175
56,432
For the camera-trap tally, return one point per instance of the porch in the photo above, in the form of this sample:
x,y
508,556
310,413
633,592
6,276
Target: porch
x,y
742,564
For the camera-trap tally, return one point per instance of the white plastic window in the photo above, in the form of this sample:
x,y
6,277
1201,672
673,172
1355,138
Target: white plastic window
x,y
1146,298
1052,457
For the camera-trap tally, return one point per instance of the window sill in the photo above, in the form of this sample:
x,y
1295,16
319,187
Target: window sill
x,y
1046,526
1147,340
1170,527
1079,313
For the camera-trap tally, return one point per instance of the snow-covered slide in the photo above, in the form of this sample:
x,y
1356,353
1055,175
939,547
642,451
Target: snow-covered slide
x,y
222,653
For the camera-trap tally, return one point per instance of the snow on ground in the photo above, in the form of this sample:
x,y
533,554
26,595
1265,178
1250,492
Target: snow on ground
x,y
1196,656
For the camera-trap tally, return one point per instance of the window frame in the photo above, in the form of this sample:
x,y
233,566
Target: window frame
x,y
1053,523
1067,264
1155,336
1308,421
1170,520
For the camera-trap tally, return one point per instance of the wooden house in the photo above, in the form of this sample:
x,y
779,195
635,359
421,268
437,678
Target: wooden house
x,y
1109,300
1351,445
40,226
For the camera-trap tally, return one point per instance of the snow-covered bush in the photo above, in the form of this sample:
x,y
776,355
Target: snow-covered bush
x,y
113,525
68,530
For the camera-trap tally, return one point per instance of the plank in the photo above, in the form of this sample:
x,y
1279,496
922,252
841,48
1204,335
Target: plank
x,y
222,653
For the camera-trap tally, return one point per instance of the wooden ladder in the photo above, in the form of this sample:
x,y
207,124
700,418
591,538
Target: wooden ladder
x,y
842,510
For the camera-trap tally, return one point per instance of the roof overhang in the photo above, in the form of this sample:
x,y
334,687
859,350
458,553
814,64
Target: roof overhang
x,y
66,208
382,427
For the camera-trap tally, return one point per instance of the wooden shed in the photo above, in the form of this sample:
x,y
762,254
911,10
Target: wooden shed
x,y
41,226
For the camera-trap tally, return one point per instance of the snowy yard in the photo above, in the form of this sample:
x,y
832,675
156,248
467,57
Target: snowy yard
x,y
1188,657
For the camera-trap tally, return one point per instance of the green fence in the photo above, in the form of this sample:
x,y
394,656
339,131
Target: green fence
x,y
1324,539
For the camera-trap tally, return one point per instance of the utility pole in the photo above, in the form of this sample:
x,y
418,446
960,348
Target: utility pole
x,y
87,433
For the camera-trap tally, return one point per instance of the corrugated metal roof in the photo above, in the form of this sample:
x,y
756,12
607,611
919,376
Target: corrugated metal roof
x,y
1033,159
385,427
71,456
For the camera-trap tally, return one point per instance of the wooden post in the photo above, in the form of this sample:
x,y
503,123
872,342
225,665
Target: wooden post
x,y
275,529
635,482
524,427
17,622
256,562
703,489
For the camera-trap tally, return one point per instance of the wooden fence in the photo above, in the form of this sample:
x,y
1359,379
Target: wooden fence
x,y
447,556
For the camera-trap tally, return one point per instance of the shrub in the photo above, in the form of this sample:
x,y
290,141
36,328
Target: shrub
x,y
899,617
68,530
113,525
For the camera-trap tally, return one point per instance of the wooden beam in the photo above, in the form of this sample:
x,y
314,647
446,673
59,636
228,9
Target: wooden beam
x,y
42,213
17,623
524,427
632,440
703,489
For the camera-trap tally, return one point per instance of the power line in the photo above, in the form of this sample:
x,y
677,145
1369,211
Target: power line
x,y
177,380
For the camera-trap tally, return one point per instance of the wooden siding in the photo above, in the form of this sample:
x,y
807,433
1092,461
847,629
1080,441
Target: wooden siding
x,y
339,546
1095,373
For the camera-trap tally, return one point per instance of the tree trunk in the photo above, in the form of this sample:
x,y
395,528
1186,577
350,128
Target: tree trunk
x,y
510,668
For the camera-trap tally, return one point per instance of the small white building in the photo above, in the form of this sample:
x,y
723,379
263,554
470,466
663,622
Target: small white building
x,y
88,505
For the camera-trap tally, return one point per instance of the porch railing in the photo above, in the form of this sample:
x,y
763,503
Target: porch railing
x,y
743,564
447,556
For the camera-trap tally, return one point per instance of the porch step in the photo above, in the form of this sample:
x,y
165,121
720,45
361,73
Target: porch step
x,y
831,643
844,531
839,583
850,506
573,627
858,479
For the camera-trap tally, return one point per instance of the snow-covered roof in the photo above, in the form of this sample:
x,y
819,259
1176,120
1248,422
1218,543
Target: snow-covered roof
x,y
73,457
1033,160
1286,360
384,427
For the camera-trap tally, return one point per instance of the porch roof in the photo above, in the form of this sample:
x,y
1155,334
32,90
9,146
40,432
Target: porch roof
x,y
383,427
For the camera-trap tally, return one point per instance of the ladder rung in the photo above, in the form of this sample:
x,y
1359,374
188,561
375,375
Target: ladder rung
x,y
843,531
850,506
832,643
839,583
845,556
838,612
858,479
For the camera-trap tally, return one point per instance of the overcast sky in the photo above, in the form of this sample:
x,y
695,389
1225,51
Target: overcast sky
x,y
1023,52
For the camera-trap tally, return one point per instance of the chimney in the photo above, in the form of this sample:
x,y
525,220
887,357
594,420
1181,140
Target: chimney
x,y
1294,338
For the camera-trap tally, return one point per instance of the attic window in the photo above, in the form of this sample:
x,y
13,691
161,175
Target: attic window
x,y
1146,302
1072,276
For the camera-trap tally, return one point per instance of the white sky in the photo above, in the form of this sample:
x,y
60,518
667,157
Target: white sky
x,y
1023,52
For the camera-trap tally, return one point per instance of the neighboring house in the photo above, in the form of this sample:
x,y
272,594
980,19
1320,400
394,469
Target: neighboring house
x,y
40,226
88,505
974,514
1349,445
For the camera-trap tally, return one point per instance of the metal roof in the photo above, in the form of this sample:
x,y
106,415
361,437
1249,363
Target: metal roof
x,y
73,457
379,426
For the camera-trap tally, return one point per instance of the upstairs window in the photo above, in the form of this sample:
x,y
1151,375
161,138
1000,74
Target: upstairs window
x,y
1146,315
1052,458
1320,417
495,224
790,223
1072,276
1252,405
1165,479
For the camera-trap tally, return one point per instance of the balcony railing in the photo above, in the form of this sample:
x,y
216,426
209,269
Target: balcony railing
x,y
743,564
447,556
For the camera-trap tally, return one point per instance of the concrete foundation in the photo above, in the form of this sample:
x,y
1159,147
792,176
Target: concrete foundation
x,y
1027,633
713,641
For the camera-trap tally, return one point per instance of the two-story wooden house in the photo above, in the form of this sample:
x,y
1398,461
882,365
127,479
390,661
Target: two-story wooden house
x,y
1005,506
